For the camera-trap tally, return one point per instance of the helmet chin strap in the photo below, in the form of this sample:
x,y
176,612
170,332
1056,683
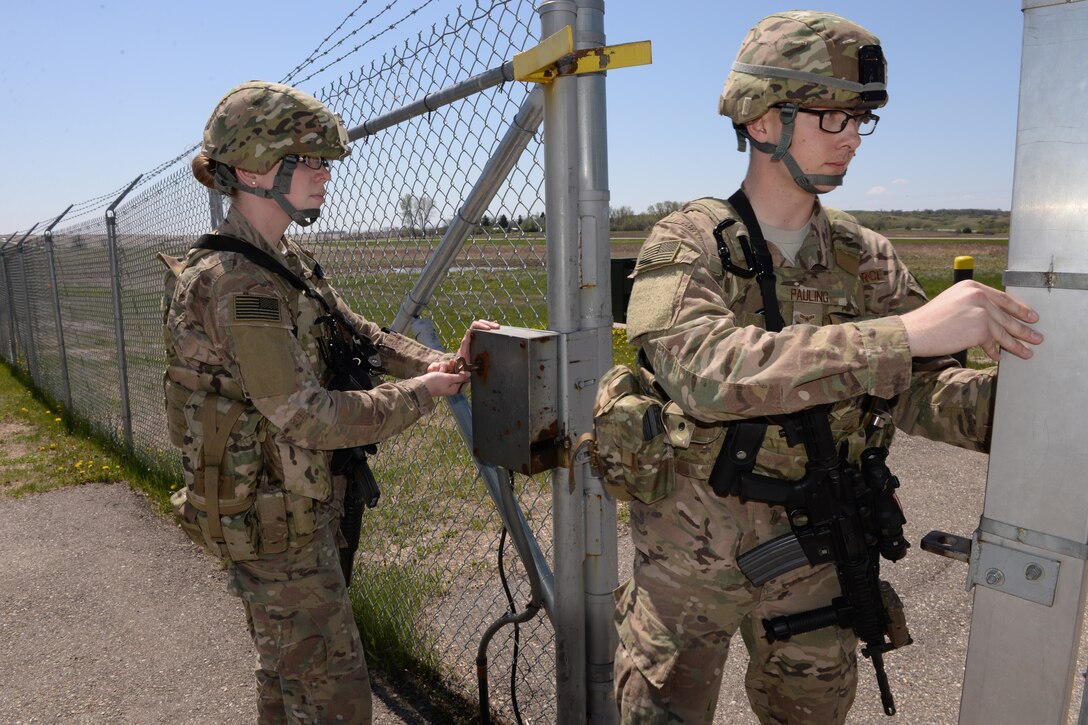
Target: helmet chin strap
x,y
781,152
281,185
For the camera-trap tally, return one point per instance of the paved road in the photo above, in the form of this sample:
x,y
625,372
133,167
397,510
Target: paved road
x,y
109,615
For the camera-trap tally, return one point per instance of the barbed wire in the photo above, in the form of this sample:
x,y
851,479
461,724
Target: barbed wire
x,y
313,57
366,42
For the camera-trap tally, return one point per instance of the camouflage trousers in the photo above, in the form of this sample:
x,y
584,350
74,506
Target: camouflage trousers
x,y
310,665
686,599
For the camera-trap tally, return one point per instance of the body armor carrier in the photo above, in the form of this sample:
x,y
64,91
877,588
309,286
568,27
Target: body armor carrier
x,y
839,512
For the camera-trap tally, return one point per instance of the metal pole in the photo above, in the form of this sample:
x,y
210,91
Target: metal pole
x,y
498,168
600,565
11,299
1028,559
11,308
31,348
561,203
541,579
61,352
432,101
119,326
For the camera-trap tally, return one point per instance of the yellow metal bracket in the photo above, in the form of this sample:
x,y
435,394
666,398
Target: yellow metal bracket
x,y
555,56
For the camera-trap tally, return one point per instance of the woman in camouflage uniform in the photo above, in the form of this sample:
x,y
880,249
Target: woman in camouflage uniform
x,y
802,92
248,405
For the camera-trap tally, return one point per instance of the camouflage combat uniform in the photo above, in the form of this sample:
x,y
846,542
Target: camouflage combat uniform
x,y
235,329
702,331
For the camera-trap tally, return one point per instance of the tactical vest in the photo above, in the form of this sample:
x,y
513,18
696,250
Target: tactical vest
x,y
820,295
228,506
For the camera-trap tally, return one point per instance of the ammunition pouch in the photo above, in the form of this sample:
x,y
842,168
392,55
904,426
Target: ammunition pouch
x,y
226,506
638,435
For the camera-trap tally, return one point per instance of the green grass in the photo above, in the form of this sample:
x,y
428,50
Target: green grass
x,y
45,449
391,637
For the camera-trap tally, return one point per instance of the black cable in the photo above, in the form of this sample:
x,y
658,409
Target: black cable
x,y
517,629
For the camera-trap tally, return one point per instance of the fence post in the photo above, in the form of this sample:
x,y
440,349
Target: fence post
x,y
31,349
11,304
560,202
119,325
61,352
600,563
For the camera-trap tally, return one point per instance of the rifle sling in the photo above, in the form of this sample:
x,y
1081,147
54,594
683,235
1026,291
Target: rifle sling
x,y
732,472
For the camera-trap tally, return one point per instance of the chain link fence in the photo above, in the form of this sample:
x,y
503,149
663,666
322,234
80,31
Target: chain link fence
x,y
80,314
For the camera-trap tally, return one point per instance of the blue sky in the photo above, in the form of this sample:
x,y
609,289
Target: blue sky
x,y
97,92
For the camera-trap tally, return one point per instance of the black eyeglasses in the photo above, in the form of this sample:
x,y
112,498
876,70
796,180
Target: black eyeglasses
x,y
835,121
310,162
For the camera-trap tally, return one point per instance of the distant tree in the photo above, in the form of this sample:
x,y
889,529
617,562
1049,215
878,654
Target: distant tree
x,y
965,230
485,221
504,223
424,211
407,211
415,212
663,208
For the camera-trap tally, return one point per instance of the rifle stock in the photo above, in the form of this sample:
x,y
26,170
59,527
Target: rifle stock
x,y
831,511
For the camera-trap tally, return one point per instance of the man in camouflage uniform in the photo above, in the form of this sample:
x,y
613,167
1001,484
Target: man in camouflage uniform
x,y
247,402
802,92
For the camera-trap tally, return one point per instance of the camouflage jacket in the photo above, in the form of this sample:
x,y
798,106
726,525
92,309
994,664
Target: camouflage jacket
x,y
237,329
702,330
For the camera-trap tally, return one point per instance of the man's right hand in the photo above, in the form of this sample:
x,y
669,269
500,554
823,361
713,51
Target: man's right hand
x,y
971,314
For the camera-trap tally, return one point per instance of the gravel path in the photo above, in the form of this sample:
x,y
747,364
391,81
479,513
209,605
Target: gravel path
x,y
108,614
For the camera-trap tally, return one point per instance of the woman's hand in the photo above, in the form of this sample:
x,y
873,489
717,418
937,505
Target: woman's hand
x,y
463,350
440,384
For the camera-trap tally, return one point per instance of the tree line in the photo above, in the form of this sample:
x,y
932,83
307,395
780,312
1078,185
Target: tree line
x,y
417,212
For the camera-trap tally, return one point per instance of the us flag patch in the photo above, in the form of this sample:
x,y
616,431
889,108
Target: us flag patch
x,y
252,307
658,254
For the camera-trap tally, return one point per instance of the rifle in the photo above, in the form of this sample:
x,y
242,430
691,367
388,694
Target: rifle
x,y
352,358
838,512
843,514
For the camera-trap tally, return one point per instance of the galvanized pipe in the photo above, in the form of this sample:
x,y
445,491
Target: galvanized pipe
x,y
58,321
563,260
432,101
541,580
31,348
601,558
119,324
11,307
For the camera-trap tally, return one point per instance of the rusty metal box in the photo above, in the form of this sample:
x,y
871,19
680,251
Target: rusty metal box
x,y
515,413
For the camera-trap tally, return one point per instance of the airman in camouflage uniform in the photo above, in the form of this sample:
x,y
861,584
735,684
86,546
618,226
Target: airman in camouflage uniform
x,y
856,324
244,362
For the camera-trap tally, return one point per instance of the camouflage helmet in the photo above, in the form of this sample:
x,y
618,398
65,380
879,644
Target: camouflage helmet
x,y
805,58
258,123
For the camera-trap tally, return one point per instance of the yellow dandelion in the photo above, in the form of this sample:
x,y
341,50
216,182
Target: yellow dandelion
x,y
24,410
105,468
56,420
79,463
